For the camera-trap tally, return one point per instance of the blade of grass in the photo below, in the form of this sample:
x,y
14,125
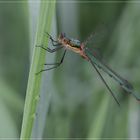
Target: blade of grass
x,y
10,96
100,119
38,59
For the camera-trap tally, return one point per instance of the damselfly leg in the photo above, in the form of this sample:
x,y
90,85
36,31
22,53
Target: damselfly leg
x,y
58,45
55,65
52,40
49,49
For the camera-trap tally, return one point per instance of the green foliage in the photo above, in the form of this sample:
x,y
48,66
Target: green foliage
x,y
14,61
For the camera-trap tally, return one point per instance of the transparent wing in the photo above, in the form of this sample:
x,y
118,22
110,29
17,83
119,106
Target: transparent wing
x,y
96,37
94,58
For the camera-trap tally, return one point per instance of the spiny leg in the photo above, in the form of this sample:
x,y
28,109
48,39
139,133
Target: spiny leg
x,y
49,49
46,33
56,64
52,40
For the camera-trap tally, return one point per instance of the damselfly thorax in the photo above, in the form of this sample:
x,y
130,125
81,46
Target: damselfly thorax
x,y
72,44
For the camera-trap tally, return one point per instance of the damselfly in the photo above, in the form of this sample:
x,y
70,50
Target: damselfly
x,y
66,43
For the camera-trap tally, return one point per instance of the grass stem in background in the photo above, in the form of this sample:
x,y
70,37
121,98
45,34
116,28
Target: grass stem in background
x,y
38,59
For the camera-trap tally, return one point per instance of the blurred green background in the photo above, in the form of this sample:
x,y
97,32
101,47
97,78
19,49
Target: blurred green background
x,y
79,104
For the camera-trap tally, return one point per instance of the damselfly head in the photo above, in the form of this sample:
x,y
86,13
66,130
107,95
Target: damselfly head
x,y
62,35
63,39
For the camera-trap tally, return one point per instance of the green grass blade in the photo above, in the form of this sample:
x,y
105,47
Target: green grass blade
x,y
38,59
100,119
